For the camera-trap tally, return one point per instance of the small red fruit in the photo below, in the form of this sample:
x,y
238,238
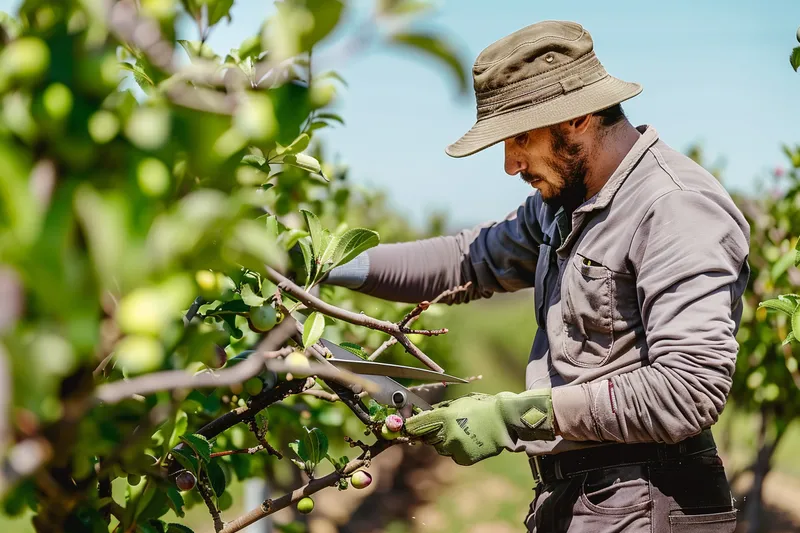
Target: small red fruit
x,y
394,423
361,479
185,481
220,357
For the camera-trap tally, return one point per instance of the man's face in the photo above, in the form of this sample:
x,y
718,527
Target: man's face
x,y
549,160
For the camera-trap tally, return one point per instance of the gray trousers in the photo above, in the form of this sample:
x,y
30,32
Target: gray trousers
x,y
690,495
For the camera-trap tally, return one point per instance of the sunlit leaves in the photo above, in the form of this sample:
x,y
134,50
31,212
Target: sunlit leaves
x,y
313,328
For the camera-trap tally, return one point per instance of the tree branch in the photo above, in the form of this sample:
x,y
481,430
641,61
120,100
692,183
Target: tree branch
x,y
178,379
315,485
204,487
434,386
358,319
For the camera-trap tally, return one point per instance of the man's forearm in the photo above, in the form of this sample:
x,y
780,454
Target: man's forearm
x,y
405,272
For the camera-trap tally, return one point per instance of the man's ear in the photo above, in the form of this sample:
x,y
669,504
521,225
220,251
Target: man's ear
x,y
580,125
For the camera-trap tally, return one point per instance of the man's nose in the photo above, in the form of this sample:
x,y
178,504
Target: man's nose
x,y
513,163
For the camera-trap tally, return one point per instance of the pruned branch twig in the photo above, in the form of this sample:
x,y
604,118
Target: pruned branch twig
x,y
413,315
434,386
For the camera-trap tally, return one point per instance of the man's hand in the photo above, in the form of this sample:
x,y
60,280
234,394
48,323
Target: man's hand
x,y
477,426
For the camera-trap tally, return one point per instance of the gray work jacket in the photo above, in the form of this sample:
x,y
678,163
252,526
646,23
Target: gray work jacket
x,y
638,297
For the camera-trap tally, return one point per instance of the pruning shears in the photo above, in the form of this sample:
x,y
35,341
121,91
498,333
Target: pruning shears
x,y
388,391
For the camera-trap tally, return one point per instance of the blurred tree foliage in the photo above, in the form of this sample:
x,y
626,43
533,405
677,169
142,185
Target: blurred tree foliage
x,y
119,207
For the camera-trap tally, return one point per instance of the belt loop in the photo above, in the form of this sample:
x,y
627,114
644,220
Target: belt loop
x,y
557,465
537,469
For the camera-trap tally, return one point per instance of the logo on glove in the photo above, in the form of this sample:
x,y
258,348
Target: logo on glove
x,y
462,423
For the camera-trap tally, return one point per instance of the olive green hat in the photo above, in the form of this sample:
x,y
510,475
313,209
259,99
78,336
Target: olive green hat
x,y
538,76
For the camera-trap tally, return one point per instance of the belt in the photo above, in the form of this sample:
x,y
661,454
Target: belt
x,y
555,467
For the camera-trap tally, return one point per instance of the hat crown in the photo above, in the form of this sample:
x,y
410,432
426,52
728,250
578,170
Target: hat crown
x,y
530,52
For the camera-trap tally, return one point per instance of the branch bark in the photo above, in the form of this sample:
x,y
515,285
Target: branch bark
x,y
358,319
272,506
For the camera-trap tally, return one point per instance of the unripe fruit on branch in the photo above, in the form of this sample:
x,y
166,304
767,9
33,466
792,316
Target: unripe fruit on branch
x,y
394,423
300,361
263,318
388,434
305,505
253,386
185,481
361,479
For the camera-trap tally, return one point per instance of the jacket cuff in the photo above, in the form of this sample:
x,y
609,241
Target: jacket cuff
x,y
573,413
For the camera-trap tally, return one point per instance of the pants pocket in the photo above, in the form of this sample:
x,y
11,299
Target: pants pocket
x,y
616,491
686,522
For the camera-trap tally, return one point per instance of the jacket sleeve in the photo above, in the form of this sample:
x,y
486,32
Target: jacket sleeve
x,y
495,257
689,254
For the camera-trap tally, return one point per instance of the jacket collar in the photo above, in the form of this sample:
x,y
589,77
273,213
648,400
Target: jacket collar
x,y
604,196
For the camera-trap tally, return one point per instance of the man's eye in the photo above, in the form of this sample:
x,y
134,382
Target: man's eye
x,y
520,139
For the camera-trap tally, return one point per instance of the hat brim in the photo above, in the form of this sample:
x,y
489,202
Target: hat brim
x,y
595,97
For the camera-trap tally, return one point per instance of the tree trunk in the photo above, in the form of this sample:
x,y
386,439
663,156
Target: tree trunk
x,y
761,467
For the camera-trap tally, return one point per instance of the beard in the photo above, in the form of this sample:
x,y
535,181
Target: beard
x,y
571,164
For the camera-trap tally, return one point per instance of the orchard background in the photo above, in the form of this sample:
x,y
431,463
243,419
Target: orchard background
x,y
165,205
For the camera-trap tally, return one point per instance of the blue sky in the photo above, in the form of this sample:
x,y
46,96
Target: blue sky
x,y
714,72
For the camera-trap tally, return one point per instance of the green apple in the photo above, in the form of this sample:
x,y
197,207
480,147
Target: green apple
x,y
263,318
138,354
305,505
299,361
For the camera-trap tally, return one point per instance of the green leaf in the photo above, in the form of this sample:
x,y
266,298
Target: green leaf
x,y
313,328
782,264
304,161
796,323
175,501
178,528
218,9
298,450
200,445
794,59
317,235
217,478
331,116
789,338
249,297
250,47
352,243
298,145
181,424
438,49
187,460
326,16
354,349
139,76
308,257
314,446
331,243
198,50
779,304
377,412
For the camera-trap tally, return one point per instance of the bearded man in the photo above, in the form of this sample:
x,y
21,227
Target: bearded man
x,y
638,260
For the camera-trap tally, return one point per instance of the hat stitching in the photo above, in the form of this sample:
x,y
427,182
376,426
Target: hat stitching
x,y
520,45
503,95
544,75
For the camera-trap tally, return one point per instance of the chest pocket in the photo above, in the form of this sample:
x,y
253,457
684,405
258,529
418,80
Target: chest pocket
x,y
545,272
587,312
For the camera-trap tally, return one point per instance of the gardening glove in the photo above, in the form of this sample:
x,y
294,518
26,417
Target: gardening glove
x,y
477,426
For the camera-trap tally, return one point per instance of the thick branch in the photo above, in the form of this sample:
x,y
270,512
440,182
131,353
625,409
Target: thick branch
x,y
272,506
178,379
358,319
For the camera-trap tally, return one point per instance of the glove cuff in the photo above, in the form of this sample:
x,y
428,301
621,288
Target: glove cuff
x,y
529,414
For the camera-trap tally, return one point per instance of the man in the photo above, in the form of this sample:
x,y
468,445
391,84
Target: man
x,y
638,259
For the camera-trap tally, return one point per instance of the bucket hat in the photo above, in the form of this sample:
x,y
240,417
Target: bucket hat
x,y
541,75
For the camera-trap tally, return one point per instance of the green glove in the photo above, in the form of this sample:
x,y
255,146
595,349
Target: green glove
x,y
477,426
